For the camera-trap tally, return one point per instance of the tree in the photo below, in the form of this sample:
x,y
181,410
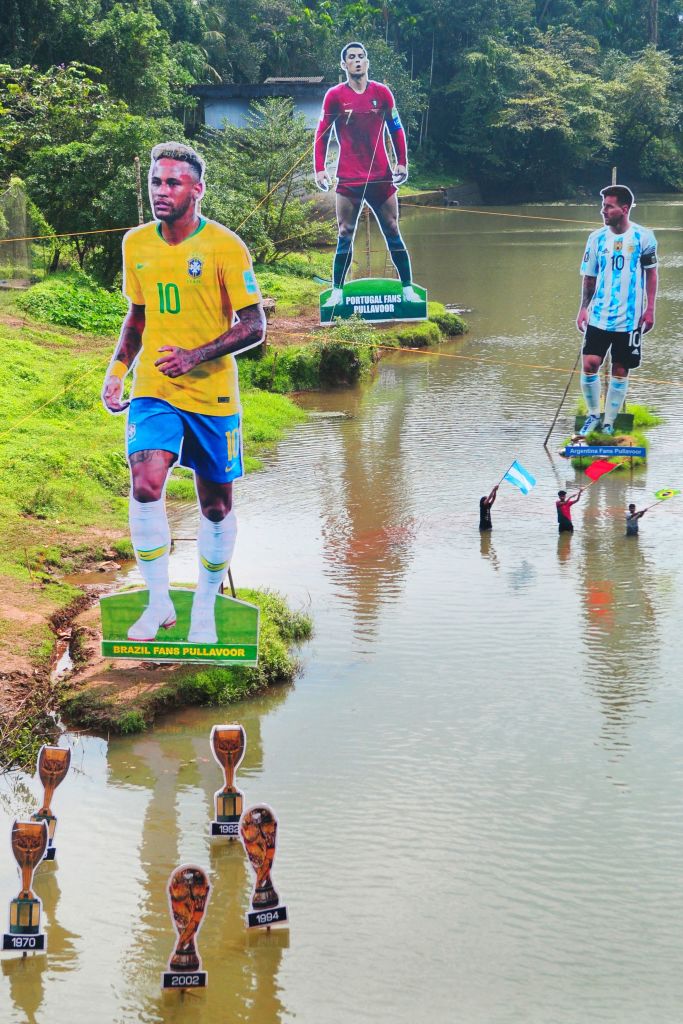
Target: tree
x,y
134,53
258,178
43,33
648,117
46,108
528,120
90,186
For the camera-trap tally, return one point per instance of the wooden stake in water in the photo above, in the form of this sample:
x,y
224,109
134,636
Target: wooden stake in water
x,y
564,394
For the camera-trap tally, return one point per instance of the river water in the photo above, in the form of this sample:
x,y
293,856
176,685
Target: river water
x,y
477,774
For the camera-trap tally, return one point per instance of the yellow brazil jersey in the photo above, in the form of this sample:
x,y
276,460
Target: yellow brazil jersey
x,y
190,292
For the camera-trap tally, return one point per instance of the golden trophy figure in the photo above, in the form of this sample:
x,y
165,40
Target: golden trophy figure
x,y
258,829
53,764
228,743
29,841
188,894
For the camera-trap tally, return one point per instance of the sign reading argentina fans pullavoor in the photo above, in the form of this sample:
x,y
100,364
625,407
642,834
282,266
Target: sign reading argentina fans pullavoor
x,y
573,451
360,115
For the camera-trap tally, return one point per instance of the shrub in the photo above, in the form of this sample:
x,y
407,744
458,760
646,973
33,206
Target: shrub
x,y
41,503
72,299
340,363
414,335
131,722
449,323
123,548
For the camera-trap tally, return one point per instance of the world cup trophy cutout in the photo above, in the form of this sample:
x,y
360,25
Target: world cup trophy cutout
x,y
53,764
228,743
258,829
188,895
29,842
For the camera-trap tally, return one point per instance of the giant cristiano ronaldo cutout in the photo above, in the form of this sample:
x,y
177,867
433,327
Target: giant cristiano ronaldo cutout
x,y
360,113
194,304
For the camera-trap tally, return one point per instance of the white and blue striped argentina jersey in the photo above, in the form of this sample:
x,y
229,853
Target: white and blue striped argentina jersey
x,y
619,263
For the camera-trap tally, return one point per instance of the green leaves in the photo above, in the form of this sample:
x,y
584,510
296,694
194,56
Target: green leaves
x,y
73,300
259,179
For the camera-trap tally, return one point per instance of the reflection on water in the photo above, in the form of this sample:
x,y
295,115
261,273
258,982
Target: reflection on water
x,y
366,521
478,774
621,630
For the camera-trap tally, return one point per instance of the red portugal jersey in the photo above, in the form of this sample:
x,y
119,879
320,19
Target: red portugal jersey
x,y
358,120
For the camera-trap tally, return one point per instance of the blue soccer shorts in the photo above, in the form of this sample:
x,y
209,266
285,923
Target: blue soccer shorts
x,y
210,445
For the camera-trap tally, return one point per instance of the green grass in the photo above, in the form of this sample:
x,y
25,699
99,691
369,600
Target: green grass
x,y
340,355
420,334
64,479
450,324
292,283
23,737
643,418
424,180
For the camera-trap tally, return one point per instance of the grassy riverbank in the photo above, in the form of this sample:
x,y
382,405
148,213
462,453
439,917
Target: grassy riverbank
x,y
63,494
63,473
130,699
64,479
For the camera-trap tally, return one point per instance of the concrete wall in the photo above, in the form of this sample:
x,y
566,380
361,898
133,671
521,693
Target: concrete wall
x,y
235,110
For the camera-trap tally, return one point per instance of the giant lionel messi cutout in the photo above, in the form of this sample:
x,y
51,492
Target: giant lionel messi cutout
x,y
360,113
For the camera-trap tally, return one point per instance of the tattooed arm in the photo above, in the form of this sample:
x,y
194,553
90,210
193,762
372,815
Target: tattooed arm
x,y
129,344
587,292
248,332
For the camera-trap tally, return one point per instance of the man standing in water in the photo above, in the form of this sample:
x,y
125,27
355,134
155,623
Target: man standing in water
x,y
618,295
632,518
564,510
485,505
194,303
359,110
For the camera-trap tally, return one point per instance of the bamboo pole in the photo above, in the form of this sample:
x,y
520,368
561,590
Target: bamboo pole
x,y
138,189
564,395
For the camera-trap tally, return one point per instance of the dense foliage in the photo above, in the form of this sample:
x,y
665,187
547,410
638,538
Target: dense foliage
x,y
527,97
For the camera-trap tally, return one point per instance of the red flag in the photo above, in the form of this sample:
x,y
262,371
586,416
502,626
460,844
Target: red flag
x,y
599,468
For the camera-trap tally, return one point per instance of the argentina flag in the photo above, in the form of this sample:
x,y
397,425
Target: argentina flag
x,y
520,477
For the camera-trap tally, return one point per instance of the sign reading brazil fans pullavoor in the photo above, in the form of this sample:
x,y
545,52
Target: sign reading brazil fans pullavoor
x,y
374,299
236,622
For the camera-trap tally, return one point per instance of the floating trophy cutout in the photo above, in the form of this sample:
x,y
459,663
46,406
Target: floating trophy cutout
x,y
258,829
228,743
188,894
53,764
29,841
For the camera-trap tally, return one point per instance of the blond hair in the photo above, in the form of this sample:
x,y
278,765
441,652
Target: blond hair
x,y
179,151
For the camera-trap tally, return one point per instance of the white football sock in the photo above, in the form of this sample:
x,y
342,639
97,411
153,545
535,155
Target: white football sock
x,y
590,388
216,544
151,538
616,395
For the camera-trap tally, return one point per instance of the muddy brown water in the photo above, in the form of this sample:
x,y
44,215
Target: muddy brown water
x,y
478,774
